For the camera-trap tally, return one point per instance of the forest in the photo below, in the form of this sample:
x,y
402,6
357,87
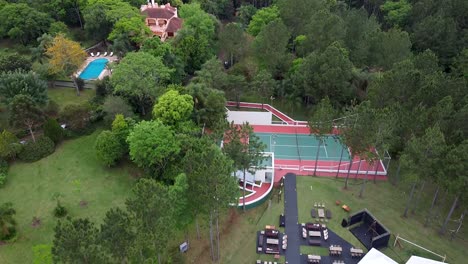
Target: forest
x,y
397,70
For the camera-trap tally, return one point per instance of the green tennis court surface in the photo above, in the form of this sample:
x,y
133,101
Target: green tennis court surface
x,y
303,147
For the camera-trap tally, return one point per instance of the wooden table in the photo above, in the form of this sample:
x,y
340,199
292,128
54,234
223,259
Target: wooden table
x,y
321,213
315,234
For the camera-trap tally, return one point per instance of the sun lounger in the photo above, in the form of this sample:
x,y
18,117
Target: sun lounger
x,y
105,54
98,54
328,214
313,212
92,54
111,54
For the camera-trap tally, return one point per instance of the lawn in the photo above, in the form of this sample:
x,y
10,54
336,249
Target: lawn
x,y
386,202
73,173
238,237
65,95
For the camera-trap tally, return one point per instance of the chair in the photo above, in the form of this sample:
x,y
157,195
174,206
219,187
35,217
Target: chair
x,y
315,204
98,54
105,54
112,53
92,54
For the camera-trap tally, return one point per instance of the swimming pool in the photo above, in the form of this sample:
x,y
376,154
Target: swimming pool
x,y
94,69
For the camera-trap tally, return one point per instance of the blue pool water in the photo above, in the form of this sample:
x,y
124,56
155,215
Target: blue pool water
x,y
93,69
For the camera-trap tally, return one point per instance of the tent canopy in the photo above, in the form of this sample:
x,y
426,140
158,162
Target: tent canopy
x,y
420,260
374,256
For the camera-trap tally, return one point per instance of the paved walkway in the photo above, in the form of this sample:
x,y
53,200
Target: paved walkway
x,y
291,213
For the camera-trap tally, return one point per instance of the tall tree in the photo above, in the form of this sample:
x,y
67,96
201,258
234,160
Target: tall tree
x,y
421,156
262,18
321,124
140,77
323,29
233,41
270,48
152,144
396,12
117,234
173,108
25,83
76,240
23,23
151,210
325,74
245,149
264,84
209,106
25,114
66,56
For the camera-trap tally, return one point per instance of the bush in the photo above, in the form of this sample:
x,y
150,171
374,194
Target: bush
x,y
3,166
80,83
53,130
114,105
76,116
3,176
34,151
52,108
109,148
9,145
60,210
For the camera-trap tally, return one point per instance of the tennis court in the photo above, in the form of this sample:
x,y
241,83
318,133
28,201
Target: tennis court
x,y
303,147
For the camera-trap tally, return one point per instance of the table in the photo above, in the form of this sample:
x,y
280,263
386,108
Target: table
x,y
315,234
272,241
356,250
336,248
321,213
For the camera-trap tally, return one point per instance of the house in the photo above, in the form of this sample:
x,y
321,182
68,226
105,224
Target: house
x,y
162,20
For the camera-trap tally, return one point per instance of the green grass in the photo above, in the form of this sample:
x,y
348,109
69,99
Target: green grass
x,y
321,251
386,202
73,172
65,95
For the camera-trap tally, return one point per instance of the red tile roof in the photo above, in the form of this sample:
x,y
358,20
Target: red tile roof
x,y
165,13
174,25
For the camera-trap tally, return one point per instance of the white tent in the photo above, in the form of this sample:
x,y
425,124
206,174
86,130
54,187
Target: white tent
x,y
419,260
376,257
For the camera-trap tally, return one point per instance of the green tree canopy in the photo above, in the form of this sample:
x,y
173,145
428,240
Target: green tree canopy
x,y
152,144
270,47
14,61
173,107
77,241
109,149
25,113
25,83
233,41
396,12
140,77
133,28
262,18
325,74
9,145
23,23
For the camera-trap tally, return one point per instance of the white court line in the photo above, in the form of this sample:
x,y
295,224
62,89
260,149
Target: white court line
x,y
326,152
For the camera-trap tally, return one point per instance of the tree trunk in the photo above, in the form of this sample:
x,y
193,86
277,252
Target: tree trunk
x,y
32,133
361,193
211,236
159,258
142,107
76,85
397,176
198,228
358,168
232,60
405,214
77,10
243,200
459,225
317,156
217,235
339,164
349,171
429,214
416,203
444,226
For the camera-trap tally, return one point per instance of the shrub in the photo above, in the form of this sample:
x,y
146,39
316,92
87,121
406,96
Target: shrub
x,y
9,145
114,105
109,148
3,176
80,83
3,166
60,210
53,130
42,254
76,116
52,108
104,87
34,151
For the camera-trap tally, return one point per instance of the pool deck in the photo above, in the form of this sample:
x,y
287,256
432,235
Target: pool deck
x,y
89,59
